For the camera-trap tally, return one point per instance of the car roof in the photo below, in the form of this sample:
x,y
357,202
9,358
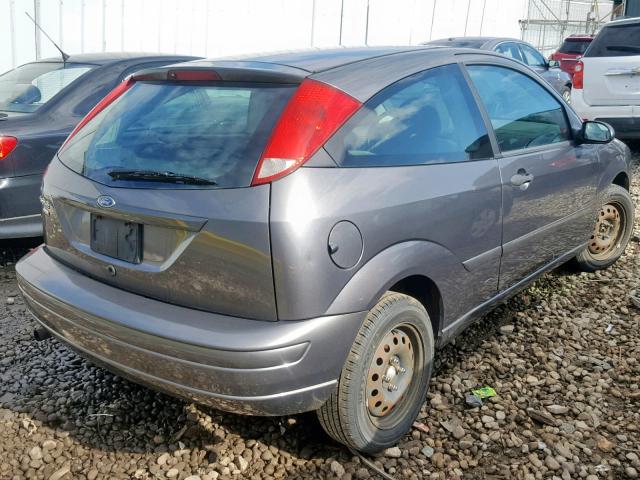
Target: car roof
x,y
105,58
622,21
316,60
472,42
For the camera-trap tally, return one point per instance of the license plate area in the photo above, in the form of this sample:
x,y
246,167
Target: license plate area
x,y
116,238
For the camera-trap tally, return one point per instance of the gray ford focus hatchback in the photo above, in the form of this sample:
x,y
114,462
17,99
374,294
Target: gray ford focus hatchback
x,y
301,231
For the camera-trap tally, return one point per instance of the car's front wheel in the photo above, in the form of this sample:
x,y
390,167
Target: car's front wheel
x,y
611,232
385,378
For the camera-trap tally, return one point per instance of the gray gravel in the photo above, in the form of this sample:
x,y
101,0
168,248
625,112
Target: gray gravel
x,y
563,357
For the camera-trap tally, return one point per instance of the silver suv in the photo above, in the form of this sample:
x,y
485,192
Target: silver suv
x,y
301,231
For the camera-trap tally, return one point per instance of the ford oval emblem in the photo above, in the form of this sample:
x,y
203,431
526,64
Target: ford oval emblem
x,y
105,201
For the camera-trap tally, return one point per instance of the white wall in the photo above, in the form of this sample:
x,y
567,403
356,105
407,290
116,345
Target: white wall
x,y
213,28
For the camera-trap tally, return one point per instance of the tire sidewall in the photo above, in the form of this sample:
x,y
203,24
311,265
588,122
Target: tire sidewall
x,y
403,311
620,196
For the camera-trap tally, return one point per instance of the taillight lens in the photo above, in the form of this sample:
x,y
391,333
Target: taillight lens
x,y
314,112
7,144
101,105
578,76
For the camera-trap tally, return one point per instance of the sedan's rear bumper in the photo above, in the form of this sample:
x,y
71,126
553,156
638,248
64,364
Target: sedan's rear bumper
x,y
20,207
239,365
21,227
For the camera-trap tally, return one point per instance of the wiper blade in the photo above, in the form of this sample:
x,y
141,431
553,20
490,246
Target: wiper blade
x,y
623,48
153,176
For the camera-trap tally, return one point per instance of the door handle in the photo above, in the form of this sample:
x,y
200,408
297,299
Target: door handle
x,y
623,71
522,179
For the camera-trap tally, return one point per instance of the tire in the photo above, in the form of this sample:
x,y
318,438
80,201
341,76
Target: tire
x,y
566,94
397,320
617,207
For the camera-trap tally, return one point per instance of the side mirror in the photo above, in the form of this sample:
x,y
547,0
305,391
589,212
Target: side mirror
x,y
596,132
553,64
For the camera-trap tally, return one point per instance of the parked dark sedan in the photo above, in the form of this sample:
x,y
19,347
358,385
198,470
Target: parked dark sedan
x,y
520,51
40,104
300,231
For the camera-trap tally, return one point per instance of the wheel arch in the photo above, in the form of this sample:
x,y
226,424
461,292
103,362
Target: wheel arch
x,y
622,180
425,290
425,270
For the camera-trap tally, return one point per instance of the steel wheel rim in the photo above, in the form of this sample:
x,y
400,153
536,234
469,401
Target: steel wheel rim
x,y
391,372
607,232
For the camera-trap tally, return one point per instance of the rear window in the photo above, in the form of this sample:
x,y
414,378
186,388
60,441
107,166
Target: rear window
x,y
574,47
211,132
25,89
616,41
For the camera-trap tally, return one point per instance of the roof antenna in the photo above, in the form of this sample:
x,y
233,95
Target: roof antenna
x,y
65,57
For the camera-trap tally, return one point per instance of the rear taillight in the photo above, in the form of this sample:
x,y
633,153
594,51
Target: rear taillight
x,y
7,144
102,104
578,76
314,112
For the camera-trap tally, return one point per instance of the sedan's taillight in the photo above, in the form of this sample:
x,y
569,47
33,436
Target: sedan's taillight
x,y
314,112
101,105
578,76
7,144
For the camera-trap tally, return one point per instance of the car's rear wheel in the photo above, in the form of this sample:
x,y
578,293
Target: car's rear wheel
x,y
566,94
385,378
611,232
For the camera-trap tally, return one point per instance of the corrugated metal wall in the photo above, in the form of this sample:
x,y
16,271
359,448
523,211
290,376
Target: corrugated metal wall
x,y
225,27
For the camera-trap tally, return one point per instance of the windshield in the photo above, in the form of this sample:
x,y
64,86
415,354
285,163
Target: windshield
x,y
574,47
167,135
27,88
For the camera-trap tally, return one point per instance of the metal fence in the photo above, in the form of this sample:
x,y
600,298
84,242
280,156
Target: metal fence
x,y
548,22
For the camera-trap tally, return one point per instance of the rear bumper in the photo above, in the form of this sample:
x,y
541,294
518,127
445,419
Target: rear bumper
x,y
20,207
621,117
234,364
21,227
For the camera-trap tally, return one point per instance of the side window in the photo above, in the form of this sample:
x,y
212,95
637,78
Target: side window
x,y
430,117
532,57
509,49
522,112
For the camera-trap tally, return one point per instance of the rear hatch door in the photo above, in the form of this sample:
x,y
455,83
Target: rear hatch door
x,y
612,67
153,194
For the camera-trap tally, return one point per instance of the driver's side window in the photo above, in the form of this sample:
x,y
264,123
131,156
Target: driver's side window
x,y
531,56
509,49
522,112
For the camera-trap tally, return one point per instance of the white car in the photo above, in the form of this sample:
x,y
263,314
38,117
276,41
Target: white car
x,y
606,82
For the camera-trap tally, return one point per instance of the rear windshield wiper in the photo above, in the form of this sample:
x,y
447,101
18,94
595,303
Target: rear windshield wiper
x,y
623,48
153,176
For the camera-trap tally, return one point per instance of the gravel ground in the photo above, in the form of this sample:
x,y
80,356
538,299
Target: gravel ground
x,y
563,357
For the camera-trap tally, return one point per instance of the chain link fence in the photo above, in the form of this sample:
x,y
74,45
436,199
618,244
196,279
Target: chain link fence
x,y
548,22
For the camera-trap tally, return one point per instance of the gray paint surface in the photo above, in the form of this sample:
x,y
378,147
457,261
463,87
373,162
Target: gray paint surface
x,y
263,253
